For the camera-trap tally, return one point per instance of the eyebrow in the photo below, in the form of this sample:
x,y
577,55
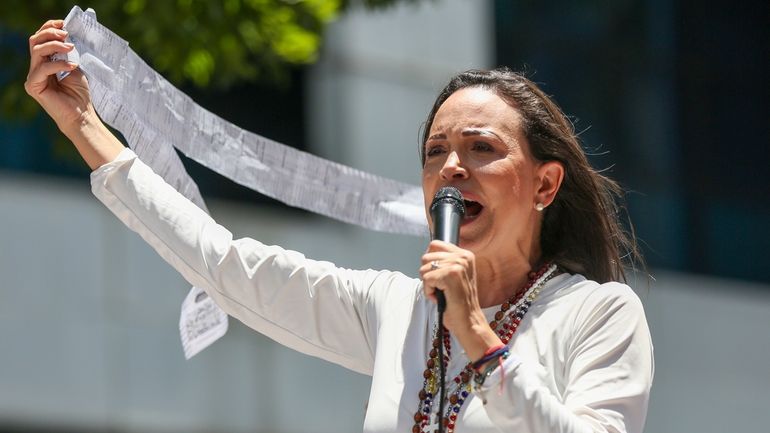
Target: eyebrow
x,y
465,133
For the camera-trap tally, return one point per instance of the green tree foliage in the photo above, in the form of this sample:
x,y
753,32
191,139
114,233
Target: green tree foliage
x,y
208,43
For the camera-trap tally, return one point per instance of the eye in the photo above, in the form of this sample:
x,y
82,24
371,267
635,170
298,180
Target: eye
x,y
481,146
433,150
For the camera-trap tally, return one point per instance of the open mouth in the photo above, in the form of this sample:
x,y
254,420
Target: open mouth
x,y
472,209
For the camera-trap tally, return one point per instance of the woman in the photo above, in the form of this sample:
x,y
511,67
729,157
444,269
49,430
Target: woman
x,y
536,336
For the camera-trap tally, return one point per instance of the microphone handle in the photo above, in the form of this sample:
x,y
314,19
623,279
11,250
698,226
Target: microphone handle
x,y
441,304
447,228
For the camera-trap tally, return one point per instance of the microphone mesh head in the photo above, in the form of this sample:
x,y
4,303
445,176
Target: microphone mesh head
x,y
450,195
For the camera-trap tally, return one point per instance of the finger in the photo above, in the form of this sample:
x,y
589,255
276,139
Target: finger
x,y
40,74
443,258
46,35
75,75
436,276
430,293
437,245
42,51
52,23
438,266
439,254
424,269
433,261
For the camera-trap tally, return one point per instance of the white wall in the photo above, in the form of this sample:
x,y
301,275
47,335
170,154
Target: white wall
x,y
712,354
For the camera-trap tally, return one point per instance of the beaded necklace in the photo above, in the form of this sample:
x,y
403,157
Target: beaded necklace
x,y
505,323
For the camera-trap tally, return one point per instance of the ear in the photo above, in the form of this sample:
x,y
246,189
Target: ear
x,y
550,175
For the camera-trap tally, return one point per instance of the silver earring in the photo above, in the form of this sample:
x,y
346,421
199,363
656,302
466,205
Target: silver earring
x,y
539,207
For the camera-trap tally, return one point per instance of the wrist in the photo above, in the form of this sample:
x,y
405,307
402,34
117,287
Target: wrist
x,y
478,339
93,140
86,122
493,353
483,372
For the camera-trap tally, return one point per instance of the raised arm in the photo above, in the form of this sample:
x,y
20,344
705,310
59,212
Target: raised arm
x,y
68,101
311,306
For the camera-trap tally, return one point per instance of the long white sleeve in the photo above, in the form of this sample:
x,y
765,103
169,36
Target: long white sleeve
x,y
311,306
607,370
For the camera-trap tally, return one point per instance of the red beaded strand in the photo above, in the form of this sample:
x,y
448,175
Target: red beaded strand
x,y
507,323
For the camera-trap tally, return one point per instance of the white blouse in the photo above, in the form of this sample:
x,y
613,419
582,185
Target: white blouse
x,y
581,358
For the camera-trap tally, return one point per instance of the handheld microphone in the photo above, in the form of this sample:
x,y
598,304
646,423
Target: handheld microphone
x,y
447,211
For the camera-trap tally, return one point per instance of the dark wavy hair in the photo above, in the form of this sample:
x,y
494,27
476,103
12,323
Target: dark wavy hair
x,y
581,230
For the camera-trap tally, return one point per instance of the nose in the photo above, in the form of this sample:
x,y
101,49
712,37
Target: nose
x,y
453,168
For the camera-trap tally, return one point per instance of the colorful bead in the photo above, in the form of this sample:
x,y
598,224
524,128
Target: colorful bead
x,y
465,376
505,324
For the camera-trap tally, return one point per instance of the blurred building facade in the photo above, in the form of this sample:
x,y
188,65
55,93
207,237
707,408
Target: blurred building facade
x,y
88,313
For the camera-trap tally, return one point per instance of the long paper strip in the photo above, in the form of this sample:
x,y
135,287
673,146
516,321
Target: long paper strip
x,y
154,116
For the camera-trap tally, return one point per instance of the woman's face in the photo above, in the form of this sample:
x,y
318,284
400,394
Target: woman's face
x,y
477,145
